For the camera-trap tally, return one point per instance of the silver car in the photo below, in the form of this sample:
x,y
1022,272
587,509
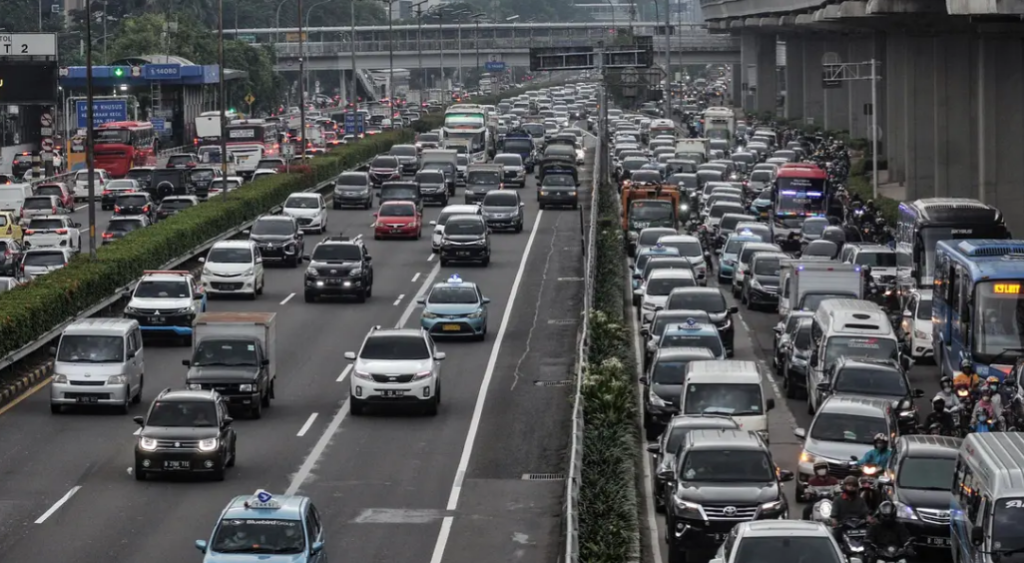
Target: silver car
x,y
504,209
40,261
513,169
395,367
41,206
99,362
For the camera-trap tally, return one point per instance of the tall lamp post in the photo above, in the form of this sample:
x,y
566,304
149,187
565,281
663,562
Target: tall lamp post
x,y
419,38
458,22
391,59
440,40
223,97
302,90
308,13
354,95
476,37
513,19
90,166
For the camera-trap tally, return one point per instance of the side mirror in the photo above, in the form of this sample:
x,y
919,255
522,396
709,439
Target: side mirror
x,y
247,232
918,393
522,204
486,300
785,475
433,223
186,363
734,310
440,356
350,355
201,545
78,225
814,357
884,480
907,314
127,295
227,421
306,257
139,420
52,350
907,362
769,404
317,547
800,433
654,448
202,260
644,381
779,328
131,354
645,332
637,276
421,300
265,362
638,292
823,387
978,535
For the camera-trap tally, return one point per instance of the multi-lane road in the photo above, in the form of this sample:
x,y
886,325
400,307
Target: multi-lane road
x,y
391,487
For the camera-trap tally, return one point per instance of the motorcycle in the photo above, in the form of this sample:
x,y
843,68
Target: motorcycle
x,y
868,481
822,499
852,533
891,554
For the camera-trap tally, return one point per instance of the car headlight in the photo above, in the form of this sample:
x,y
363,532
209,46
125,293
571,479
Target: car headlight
x,y
475,315
806,457
311,272
920,334
825,509
116,380
422,375
246,387
129,309
195,386
685,505
656,400
60,379
355,272
726,325
905,511
148,444
648,306
756,284
633,236
208,445
773,505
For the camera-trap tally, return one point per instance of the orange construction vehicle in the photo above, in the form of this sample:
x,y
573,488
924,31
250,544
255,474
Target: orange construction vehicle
x,y
649,205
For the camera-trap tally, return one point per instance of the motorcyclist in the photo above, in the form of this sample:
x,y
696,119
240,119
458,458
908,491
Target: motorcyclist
x,y
849,504
940,416
967,375
886,531
948,395
821,478
986,405
981,423
993,384
880,454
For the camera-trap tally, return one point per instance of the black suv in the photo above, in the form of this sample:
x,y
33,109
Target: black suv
x,y
466,238
433,186
721,478
185,432
170,181
279,239
883,379
339,266
138,203
664,451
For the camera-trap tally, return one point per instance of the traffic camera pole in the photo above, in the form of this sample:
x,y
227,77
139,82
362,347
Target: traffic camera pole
x,y
90,166
223,101
302,91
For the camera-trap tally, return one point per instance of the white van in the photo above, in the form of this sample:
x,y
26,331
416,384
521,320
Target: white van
x,y
988,496
12,197
727,387
99,362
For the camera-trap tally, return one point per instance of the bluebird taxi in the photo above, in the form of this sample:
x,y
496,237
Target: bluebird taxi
x,y
268,529
455,308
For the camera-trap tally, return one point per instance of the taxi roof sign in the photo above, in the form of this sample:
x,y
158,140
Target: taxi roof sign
x,y
455,279
691,323
262,499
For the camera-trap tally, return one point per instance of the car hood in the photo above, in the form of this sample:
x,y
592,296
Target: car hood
x,y
164,304
392,367
294,212
463,238
452,308
431,186
226,268
78,370
733,493
918,498
656,300
179,433
482,187
494,209
222,373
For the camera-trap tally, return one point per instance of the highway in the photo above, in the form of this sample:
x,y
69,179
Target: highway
x,y
390,487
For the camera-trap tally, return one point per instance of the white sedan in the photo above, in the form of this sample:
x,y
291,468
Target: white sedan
x,y
308,209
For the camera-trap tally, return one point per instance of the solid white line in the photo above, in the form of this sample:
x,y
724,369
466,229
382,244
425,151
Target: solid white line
x,y
399,300
481,398
56,506
409,309
305,427
81,207
318,450
344,373
287,299
416,277
137,432
431,257
442,539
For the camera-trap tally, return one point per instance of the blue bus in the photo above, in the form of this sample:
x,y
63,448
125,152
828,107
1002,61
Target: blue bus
x,y
978,305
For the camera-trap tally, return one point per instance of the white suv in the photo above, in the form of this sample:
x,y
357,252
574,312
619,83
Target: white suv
x,y
234,267
396,367
53,231
791,540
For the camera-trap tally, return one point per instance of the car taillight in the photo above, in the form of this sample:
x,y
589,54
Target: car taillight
x,y
145,209
30,232
7,253
62,231
53,210
117,209
108,235
106,192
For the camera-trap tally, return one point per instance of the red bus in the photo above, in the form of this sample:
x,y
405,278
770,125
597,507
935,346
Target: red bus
x,y
121,145
799,193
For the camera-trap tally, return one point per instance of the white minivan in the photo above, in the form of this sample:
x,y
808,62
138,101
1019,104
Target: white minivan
x,y
12,197
727,387
99,362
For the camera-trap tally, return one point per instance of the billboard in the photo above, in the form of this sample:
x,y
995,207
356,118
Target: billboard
x,y
28,83
103,111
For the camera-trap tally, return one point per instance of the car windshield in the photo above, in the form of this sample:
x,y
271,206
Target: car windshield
x,y
302,203
999,320
482,178
384,162
859,381
859,347
727,466
814,227
1008,526
122,184
733,399
337,253
230,256
83,176
669,372
404,150
453,295
430,177
399,192
183,414
501,199
558,180
928,473
429,138
508,160
132,200
397,211
175,204
710,301
45,224
717,211
162,289
123,226
201,175
352,181
50,190
767,266
275,227
259,536
395,347
664,286
44,259
924,310
685,247
688,340
225,353
813,300
90,348
464,228
841,427
787,549
876,259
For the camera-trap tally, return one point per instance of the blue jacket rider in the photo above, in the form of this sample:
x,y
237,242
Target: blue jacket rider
x,y
880,455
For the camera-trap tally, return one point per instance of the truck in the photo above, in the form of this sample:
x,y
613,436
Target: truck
x,y
805,284
720,123
413,98
698,150
234,353
649,206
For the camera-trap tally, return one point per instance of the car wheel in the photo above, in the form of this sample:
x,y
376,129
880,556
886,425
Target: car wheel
x,y
355,406
140,475
431,408
265,399
256,411
259,288
231,460
337,207
56,409
362,296
787,384
444,262
310,298
138,396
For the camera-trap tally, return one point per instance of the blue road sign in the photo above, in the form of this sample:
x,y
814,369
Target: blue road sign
x,y
162,71
158,124
103,111
495,66
355,123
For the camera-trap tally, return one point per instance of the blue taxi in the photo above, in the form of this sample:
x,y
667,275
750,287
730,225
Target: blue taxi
x,y
693,334
731,253
268,529
455,308
641,262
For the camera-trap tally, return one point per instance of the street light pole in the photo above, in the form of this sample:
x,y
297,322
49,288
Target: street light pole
x,y
308,13
354,96
391,60
302,90
419,38
223,98
90,166
476,41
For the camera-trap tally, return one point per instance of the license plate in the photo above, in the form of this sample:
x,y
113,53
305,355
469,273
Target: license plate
x,y
393,231
720,537
177,465
87,399
942,542
450,328
764,214
393,393
462,253
157,320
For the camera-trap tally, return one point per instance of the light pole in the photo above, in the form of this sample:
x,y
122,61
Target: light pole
x,y
391,59
308,13
90,166
223,97
440,46
513,19
355,83
458,23
419,38
302,90
277,23
476,38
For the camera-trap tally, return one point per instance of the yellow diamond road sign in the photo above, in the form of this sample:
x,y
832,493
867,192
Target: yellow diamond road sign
x,y
249,99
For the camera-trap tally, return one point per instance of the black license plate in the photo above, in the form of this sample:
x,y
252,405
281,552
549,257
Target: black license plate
x,y
395,231
157,320
393,393
178,465
87,399
462,253
939,542
720,537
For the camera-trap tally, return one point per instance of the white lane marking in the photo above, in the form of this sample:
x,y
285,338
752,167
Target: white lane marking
x,y
344,373
416,277
307,425
442,539
318,450
287,299
81,207
409,309
56,506
431,257
399,300
481,398
137,432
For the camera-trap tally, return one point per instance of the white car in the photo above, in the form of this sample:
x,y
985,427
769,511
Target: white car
x,y
261,172
653,293
233,267
308,209
395,367
447,213
166,302
218,185
53,231
40,261
41,206
689,247
917,324
100,179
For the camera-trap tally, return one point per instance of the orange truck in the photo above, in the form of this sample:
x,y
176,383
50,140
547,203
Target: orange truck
x,y
649,205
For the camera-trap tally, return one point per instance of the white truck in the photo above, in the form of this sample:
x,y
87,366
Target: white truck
x,y
719,123
413,99
805,284
687,147
235,354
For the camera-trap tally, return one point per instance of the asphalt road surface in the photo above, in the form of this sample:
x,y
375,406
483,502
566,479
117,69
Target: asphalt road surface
x,y
390,487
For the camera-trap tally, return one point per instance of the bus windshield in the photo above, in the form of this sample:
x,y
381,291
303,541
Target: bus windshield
x,y
800,196
999,320
930,236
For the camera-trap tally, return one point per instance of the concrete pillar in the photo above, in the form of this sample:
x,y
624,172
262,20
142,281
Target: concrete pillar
x,y
813,94
1001,118
736,91
879,51
860,50
767,95
748,62
794,77
837,100
920,117
955,150
896,102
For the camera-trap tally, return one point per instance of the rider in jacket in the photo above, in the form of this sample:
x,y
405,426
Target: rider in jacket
x,y
886,531
821,478
940,416
849,504
880,454
948,395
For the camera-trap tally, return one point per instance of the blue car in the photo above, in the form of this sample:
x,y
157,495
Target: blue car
x,y
455,308
730,254
650,252
267,529
762,205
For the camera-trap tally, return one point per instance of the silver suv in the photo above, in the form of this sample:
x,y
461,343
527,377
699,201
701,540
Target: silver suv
x,y
795,540
396,367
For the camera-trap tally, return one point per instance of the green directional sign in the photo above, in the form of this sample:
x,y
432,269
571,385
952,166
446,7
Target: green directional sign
x,y
246,38
119,72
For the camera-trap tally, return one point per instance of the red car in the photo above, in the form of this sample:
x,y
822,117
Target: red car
x,y
398,219
63,194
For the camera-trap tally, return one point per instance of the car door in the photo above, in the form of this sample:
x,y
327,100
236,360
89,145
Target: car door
x,y
315,533
321,210
257,259
132,370
140,354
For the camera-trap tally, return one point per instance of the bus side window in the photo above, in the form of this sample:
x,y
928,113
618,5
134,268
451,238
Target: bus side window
x,y
965,297
953,287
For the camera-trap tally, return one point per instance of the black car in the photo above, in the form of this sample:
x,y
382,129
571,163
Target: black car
x,y
141,174
170,181
175,204
504,209
10,257
663,452
385,169
761,281
185,432
663,385
721,478
353,189
138,203
883,379
450,171
712,300
796,350
922,468
466,238
481,179
202,177
433,186
279,239
119,227
401,191
558,190
339,267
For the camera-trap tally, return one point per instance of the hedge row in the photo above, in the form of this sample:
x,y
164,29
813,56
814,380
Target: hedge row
x,y
608,505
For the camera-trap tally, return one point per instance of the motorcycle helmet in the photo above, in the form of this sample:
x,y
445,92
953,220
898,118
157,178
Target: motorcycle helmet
x,y
946,383
821,468
886,510
935,429
881,441
880,221
938,404
992,381
850,484
966,367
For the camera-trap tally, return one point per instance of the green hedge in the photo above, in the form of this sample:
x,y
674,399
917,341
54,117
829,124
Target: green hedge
x,y
608,506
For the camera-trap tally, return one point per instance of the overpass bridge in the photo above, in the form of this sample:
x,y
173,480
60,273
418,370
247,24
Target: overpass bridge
x,y
471,45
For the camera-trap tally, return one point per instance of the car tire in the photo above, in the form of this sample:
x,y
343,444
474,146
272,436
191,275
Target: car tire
x,y
369,289
485,262
56,409
787,384
337,207
355,406
259,288
231,460
127,406
444,262
140,475
432,407
310,298
218,474
138,396
362,296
